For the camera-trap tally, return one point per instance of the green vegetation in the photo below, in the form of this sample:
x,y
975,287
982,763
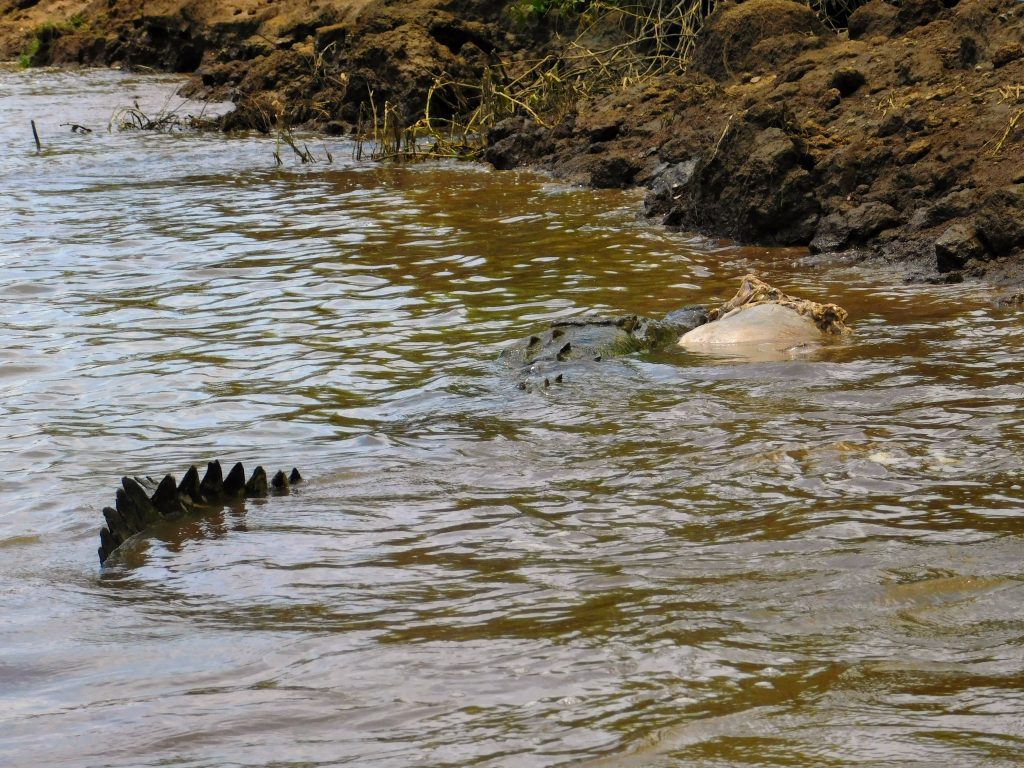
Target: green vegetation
x,y
27,57
40,48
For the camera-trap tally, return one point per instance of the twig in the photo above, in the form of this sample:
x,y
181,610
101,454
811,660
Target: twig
x,y
35,134
1009,129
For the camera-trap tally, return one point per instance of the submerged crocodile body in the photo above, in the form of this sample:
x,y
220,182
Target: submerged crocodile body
x,y
542,359
142,502
757,314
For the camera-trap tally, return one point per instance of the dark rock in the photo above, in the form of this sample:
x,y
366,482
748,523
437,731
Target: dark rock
x,y
1006,54
831,99
756,186
891,124
916,13
846,80
956,246
962,56
516,141
668,186
605,132
1000,222
845,229
614,172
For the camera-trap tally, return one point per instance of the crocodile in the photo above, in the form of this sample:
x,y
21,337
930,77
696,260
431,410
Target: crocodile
x,y
542,359
142,502
759,314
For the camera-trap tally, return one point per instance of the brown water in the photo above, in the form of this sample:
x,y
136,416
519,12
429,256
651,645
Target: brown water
x,y
679,561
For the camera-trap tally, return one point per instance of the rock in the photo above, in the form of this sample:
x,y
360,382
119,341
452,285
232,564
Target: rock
x,y
831,99
516,141
845,229
774,201
1000,222
1005,54
915,152
614,172
667,186
957,245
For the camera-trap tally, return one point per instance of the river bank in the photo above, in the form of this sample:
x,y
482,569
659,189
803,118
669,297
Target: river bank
x,y
898,139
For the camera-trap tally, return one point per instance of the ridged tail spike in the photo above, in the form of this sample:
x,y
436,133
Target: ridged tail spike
x,y
280,481
149,485
189,486
118,528
135,511
234,483
127,510
107,544
138,497
212,486
256,488
165,500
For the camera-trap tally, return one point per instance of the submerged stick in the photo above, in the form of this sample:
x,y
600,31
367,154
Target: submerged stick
x,y
35,133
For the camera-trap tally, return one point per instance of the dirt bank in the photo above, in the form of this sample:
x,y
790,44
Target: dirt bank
x,y
901,139
283,62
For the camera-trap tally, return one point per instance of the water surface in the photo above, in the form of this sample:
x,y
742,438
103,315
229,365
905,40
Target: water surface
x,y
678,561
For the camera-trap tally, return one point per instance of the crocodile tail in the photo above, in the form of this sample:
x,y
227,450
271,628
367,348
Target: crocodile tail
x,y
141,502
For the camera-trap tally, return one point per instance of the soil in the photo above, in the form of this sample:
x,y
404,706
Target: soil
x,y
900,139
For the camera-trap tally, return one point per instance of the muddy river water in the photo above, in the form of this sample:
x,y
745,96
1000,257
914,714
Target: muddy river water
x,y
680,560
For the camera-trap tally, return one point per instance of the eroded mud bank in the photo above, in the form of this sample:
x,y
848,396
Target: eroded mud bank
x,y
898,139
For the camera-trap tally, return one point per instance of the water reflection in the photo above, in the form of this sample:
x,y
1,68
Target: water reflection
x,y
676,560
